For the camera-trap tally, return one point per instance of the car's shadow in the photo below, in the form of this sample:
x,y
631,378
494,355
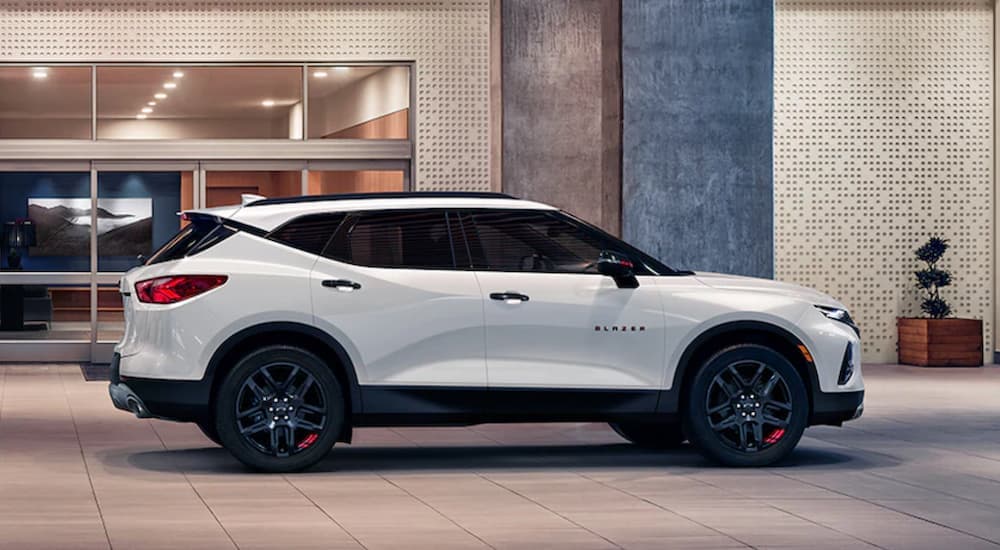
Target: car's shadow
x,y
347,459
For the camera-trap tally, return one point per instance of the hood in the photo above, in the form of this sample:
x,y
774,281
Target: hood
x,y
737,282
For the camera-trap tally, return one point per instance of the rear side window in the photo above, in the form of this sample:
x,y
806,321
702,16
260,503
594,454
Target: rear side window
x,y
198,235
308,233
414,239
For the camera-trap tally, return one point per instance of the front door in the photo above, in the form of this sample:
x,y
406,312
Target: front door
x,y
387,288
551,320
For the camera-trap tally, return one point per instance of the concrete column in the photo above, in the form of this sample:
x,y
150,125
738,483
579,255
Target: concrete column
x,y
562,105
697,161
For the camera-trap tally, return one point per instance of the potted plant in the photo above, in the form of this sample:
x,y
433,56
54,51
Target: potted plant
x,y
938,340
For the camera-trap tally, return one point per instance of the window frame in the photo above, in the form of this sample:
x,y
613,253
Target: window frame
x,y
650,266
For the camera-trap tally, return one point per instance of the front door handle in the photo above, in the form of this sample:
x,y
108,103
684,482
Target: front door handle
x,y
341,284
509,297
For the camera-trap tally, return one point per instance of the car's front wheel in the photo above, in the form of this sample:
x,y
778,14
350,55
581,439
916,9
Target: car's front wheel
x,y
747,406
280,409
650,435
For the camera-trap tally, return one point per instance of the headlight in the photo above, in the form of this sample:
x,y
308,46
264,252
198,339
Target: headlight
x,y
840,315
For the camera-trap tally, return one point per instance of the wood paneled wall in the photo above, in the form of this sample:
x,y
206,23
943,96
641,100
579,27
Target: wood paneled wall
x,y
355,181
391,126
223,188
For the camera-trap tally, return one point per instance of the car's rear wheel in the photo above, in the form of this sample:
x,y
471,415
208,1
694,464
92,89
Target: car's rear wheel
x,y
279,409
747,406
207,427
650,435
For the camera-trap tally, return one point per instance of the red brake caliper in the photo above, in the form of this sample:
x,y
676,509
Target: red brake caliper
x,y
309,440
774,436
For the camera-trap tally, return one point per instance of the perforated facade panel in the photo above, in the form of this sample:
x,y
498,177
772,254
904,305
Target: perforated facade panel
x,y
883,136
447,39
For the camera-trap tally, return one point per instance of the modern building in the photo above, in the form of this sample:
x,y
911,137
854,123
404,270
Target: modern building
x,y
814,141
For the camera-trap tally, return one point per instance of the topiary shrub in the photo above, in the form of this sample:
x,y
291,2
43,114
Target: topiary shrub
x,y
931,279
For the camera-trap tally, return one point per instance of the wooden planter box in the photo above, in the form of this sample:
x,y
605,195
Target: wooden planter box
x,y
940,342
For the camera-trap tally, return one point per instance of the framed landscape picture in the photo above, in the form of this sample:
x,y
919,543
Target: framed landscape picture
x,y
62,225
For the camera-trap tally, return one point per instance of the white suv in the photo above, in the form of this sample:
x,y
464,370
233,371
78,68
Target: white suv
x,y
280,325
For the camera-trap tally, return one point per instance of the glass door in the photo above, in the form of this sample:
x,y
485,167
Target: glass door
x,y
44,255
226,182
137,207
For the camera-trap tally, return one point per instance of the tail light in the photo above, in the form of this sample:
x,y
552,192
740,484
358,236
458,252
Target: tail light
x,y
176,288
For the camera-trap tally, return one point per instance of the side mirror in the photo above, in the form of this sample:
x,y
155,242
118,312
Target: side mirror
x,y
619,267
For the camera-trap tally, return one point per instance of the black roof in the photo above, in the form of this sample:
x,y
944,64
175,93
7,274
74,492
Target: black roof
x,y
388,195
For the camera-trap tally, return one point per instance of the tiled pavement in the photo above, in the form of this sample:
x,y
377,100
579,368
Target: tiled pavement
x,y
920,470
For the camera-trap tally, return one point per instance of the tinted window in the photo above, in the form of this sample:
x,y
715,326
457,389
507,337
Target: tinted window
x,y
197,236
511,240
308,233
397,238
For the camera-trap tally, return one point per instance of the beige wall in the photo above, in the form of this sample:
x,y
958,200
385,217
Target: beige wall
x,y
884,136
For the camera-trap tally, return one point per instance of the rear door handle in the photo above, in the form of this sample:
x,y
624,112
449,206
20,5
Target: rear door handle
x,y
509,297
341,284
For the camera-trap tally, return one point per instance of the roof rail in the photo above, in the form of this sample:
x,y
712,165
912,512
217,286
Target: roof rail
x,y
387,195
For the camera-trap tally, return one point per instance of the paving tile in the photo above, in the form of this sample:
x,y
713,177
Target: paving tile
x,y
920,470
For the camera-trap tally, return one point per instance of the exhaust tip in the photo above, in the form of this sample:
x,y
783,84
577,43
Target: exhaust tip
x,y
133,405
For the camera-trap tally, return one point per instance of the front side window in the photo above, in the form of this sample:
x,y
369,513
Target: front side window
x,y
533,241
414,239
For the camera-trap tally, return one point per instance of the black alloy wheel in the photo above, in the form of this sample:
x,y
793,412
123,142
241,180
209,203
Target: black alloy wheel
x,y
280,409
749,406
746,406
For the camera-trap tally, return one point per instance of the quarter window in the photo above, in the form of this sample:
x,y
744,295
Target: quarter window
x,y
309,233
395,238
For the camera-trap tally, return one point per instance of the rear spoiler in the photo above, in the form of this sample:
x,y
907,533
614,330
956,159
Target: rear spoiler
x,y
212,217
223,215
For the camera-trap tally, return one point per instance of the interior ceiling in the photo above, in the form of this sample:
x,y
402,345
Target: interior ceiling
x,y
203,92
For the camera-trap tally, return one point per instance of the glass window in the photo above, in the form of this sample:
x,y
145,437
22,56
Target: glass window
x,y
359,102
137,214
45,102
45,227
143,102
309,233
224,188
328,182
511,240
402,238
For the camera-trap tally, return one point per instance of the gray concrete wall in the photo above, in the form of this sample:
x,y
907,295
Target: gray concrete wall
x,y
562,105
697,128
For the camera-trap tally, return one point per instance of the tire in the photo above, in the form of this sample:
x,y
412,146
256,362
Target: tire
x,y
729,434
303,415
207,427
650,435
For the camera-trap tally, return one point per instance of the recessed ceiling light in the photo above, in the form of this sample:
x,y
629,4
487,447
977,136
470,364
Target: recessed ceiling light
x,y
341,69
160,95
147,109
178,74
320,74
170,85
151,103
40,72
267,103
140,116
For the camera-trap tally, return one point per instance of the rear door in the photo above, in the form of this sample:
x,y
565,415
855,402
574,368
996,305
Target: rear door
x,y
387,286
